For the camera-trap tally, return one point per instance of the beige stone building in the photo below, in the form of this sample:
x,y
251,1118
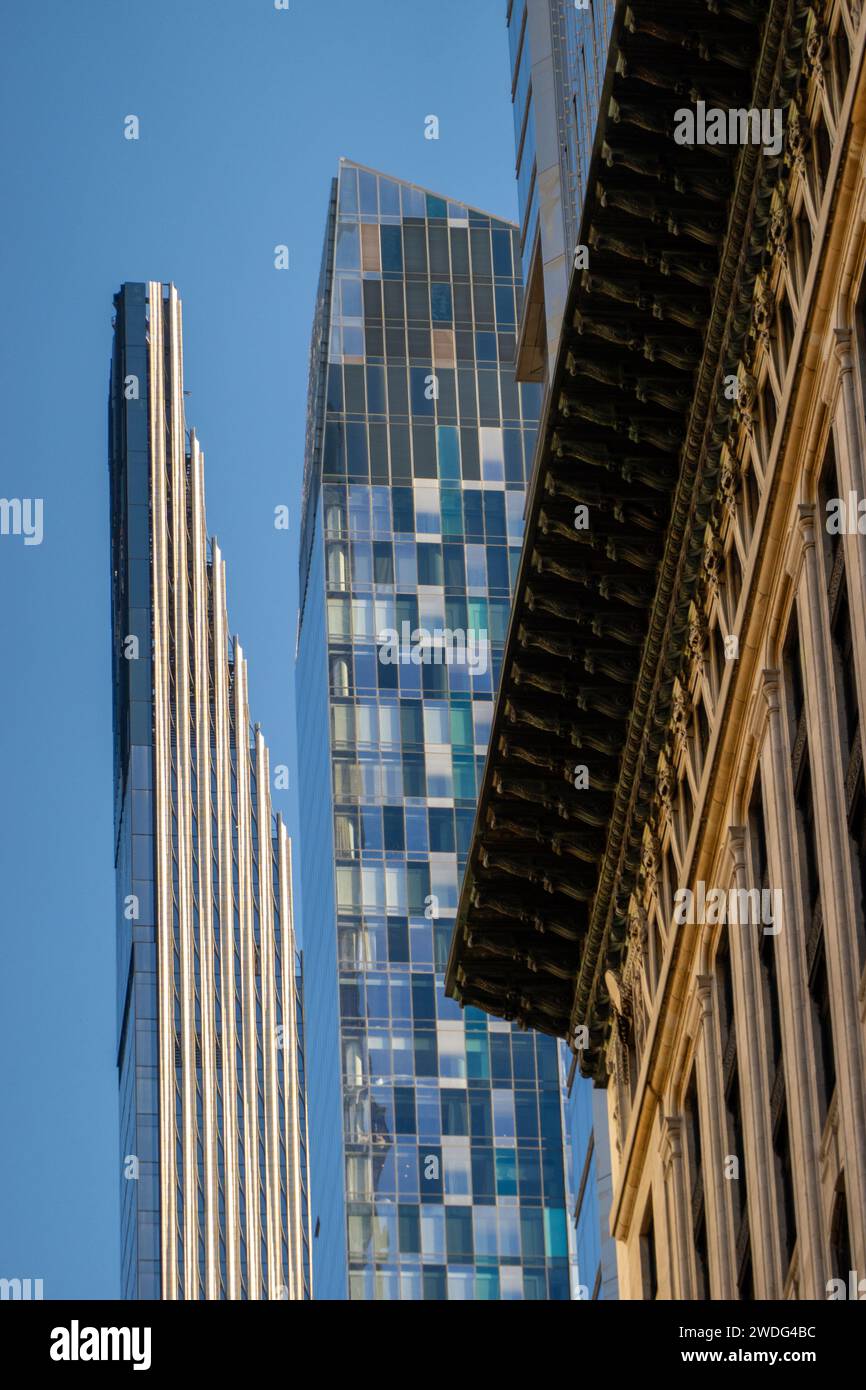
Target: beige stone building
x,y
737,1103
715,981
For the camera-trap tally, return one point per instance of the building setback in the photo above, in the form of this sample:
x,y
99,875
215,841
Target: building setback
x,y
696,639
437,1136
212,1109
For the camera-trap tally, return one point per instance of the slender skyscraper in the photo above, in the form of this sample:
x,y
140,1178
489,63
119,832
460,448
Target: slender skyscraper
x,y
437,1134
213,1123
558,54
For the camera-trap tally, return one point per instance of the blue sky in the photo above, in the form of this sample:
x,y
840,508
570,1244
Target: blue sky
x,y
244,112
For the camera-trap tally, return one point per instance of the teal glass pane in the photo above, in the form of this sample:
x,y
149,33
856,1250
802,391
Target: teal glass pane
x,y
477,1057
555,1236
506,1173
475,1018
499,614
464,780
461,727
436,207
513,565
487,1286
478,616
448,452
450,504
534,1286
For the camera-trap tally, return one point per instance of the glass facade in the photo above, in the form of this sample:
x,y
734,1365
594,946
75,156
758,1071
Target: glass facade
x,y
437,1135
558,54
591,1185
587,36
214,1200
575,43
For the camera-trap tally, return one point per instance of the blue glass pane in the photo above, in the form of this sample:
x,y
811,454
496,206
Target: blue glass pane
x,y
440,303
392,248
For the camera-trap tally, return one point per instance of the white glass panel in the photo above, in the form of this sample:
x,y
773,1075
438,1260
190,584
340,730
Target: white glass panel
x,y
503,1114
427,522
406,562
365,723
458,1170
363,618
433,1233
373,887
476,567
486,1226
395,889
509,1231
389,724
514,515
339,624
439,777
452,1052
437,723
482,712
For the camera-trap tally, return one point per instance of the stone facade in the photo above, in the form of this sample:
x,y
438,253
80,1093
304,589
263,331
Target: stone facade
x,y
736,1091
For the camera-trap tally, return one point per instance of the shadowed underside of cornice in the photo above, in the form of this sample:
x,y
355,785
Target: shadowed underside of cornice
x,y
632,431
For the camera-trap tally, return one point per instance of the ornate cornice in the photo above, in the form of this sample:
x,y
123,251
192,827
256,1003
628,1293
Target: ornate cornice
x,y
642,334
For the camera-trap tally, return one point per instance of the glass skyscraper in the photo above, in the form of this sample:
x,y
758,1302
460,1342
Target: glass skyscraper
x,y
214,1197
437,1135
558,54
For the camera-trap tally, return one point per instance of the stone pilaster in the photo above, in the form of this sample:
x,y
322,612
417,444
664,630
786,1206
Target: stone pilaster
x,y
790,946
837,896
671,1149
754,1092
722,1281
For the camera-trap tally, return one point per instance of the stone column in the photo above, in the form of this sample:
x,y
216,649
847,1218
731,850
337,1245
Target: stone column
x,y
720,1243
754,1092
790,947
671,1150
850,445
837,895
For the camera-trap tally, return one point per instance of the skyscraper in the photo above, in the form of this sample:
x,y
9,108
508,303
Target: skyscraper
x,y
213,1124
558,53
437,1135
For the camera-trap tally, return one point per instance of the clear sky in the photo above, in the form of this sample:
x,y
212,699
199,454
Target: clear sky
x,y
244,112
